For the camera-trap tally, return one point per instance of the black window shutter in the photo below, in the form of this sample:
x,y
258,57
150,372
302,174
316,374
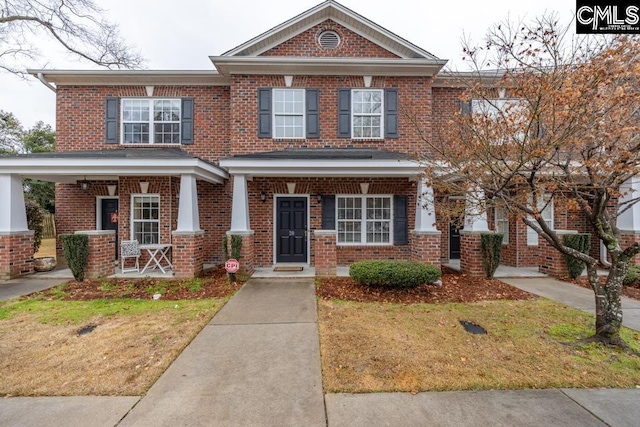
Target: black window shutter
x,y
328,212
400,220
465,108
111,120
391,113
264,113
344,113
313,104
186,120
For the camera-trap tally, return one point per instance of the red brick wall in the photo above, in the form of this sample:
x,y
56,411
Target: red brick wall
x,y
101,250
187,254
351,44
81,111
552,261
470,254
414,98
16,255
261,214
326,258
425,247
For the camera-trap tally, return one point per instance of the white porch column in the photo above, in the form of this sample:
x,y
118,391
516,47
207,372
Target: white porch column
x,y
629,220
188,216
240,206
425,209
13,214
475,214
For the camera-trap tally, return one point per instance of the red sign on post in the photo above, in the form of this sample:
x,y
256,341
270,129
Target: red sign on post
x,y
232,265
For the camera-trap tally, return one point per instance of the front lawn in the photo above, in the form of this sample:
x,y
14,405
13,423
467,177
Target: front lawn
x,y
386,346
102,337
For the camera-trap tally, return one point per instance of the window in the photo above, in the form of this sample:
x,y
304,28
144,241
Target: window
x,y
288,113
502,223
366,113
150,121
145,219
547,215
364,220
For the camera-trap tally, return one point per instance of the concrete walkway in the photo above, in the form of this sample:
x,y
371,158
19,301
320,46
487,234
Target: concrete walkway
x,y
576,297
256,364
26,285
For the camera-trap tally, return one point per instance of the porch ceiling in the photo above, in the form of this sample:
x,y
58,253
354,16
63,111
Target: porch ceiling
x,y
69,167
345,162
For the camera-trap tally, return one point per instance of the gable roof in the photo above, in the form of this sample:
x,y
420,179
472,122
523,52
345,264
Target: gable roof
x,y
342,15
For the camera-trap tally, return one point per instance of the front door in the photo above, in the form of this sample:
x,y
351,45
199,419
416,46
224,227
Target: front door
x,y
109,215
291,229
454,240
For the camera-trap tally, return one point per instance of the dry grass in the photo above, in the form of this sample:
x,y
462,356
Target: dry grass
x,y
47,248
368,347
41,353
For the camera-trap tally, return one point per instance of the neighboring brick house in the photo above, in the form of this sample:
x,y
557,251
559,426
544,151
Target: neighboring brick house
x,y
298,142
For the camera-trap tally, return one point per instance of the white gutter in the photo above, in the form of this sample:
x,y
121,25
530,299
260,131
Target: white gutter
x,y
45,82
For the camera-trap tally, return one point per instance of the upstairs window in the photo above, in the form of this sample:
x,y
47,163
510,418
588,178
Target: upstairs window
x,y
288,113
366,113
150,121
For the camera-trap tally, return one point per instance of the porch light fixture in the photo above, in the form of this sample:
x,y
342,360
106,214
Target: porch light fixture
x,y
291,187
319,197
84,184
144,187
364,187
263,196
112,189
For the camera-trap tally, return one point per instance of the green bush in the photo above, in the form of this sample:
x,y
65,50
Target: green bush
x,y
35,222
76,252
632,276
580,242
490,247
393,274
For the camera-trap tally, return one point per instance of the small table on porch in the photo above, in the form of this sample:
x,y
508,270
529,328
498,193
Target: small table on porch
x,y
157,255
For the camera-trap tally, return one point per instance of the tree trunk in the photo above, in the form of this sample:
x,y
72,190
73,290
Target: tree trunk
x,y
608,304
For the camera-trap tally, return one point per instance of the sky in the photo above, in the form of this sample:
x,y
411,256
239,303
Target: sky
x,y
180,35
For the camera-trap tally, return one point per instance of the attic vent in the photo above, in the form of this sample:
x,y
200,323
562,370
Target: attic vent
x,y
329,40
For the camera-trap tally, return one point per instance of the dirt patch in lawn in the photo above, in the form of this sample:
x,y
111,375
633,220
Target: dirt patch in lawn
x,y
213,284
627,291
455,287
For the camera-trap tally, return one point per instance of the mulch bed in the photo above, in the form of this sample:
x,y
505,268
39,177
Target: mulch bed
x,y
627,291
213,284
456,288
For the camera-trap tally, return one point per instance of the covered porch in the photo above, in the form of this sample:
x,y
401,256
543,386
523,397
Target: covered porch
x,y
325,208
147,194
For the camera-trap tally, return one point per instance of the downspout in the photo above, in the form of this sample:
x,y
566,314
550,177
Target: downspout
x,y
45,82
603,255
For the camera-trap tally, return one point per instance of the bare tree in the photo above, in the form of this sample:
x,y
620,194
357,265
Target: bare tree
x,y
76,25
557,123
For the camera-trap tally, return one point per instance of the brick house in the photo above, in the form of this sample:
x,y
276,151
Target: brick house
x,y
295,141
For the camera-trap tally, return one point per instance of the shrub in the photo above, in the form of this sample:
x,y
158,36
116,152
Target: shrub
x,y
76,252
633,275
35,222
580,242
490,247
393,274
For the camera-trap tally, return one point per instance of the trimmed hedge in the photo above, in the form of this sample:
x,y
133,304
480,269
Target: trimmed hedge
x,y
490,247
35,222
580,242
632,276
76,252
393,274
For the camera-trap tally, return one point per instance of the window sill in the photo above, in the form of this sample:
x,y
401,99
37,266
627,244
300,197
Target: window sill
x,y
148,144
363,245
367,139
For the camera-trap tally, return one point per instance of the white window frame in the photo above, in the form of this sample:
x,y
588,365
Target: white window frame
x,y
135,221
502,223
363,219
274,114
151,122
548,213
381,114
491,108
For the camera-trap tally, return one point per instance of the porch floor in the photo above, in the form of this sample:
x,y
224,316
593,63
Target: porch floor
x,y
503,270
